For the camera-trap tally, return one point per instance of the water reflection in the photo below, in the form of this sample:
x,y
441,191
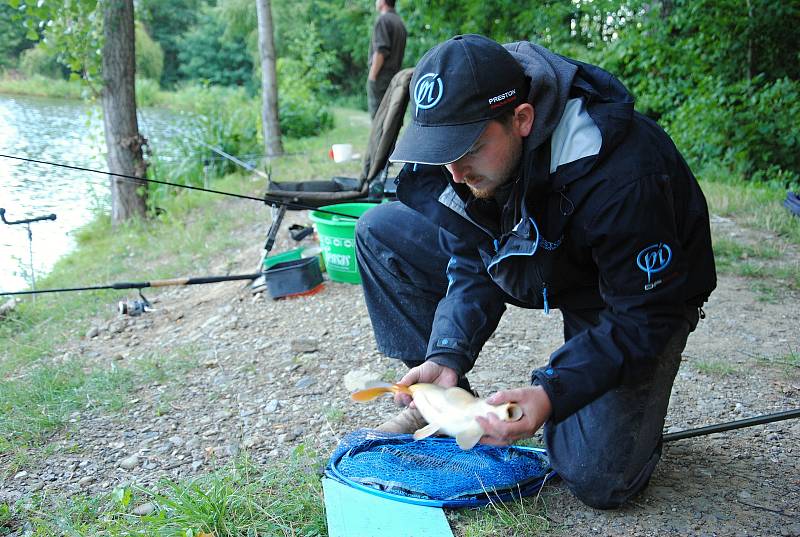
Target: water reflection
x,y
67,132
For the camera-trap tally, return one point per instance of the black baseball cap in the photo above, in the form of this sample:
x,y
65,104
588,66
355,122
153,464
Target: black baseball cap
x,y
457,88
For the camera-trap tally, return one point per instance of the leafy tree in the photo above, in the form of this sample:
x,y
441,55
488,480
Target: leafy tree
x,y
13,38
90,37
204,54
72,32
269,85
149,56
166,22
40,61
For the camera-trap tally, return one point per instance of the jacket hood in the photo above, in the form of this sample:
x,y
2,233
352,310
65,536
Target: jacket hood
x,y
554,80
550,80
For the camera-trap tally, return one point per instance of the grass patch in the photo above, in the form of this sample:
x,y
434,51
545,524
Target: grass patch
x,y
46,396
788,364
526,517
715,368
755,205
727,251
41,86
34,404
761,261
240,499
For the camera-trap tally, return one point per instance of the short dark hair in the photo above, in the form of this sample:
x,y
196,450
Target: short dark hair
x,y
505,118
390,3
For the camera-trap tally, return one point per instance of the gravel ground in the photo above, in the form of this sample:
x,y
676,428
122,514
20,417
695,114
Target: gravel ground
x,y
244,372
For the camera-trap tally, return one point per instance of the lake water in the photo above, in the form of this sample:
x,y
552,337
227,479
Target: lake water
x,y
65,132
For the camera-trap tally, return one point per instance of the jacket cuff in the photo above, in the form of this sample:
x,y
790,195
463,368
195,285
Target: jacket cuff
x,y
457,362
549,379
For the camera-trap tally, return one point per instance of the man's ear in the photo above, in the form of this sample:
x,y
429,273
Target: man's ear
x,y
523,119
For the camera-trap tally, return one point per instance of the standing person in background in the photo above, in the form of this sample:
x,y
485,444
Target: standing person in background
x,y
386,49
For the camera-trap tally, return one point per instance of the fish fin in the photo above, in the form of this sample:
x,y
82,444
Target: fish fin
x,y
468,438
377,390
458,396
426,431
370,393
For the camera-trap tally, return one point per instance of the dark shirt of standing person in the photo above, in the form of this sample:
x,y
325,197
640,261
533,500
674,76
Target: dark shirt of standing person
x,y
386,49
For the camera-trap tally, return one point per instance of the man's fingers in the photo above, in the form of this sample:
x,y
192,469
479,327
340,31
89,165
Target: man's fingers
x,y
402,399
412,377
506,396
499,432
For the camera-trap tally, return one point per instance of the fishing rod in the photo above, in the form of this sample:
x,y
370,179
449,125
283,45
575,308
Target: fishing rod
x,y
731,425
142,285
235,160
268,201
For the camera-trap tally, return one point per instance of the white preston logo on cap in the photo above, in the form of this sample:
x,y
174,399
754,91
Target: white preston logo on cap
x,y
502,96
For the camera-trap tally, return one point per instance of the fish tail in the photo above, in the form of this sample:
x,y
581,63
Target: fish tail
x,y
376,391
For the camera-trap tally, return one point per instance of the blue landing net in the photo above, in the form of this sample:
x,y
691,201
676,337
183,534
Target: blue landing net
x,y
434,471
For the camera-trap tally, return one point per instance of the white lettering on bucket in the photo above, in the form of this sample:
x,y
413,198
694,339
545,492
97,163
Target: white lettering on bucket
x,y
339,260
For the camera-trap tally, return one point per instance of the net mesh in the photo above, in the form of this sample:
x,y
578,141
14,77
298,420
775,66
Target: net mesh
x,y
436,470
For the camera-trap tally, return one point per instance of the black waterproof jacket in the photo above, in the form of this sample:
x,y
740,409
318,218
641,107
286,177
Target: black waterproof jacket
x,y
605,216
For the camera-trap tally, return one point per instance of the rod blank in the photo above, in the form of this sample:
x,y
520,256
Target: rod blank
x,y
731,425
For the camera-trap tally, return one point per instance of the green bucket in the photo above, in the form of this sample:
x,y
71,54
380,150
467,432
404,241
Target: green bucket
x,y
337,239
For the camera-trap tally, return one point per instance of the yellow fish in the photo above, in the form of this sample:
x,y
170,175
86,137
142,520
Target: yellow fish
x,y
450,411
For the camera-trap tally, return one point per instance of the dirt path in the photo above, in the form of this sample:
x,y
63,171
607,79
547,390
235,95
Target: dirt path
x,y
239,371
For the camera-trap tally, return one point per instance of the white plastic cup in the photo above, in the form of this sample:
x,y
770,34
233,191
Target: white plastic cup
x,y
342,152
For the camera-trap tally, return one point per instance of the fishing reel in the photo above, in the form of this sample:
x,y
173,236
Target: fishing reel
x,y
134,308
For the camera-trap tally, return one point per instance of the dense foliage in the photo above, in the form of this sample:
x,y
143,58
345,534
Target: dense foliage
x,y
722,76
166,22
207,55
13,38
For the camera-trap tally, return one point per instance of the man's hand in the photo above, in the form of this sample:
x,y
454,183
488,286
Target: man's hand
x,y
428,372
536,409
376,66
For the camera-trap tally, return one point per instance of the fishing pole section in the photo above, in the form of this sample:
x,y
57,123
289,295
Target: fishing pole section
x,y
732,425
138,307
27,223
267,200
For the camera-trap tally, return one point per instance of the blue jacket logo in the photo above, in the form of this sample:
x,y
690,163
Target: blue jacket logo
x,y
428,91
654,259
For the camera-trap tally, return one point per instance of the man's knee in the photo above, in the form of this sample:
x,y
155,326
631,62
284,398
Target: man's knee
x,y
374,225
613,487
602,492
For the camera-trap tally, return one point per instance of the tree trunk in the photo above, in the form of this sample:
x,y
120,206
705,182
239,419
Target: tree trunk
x,y
123,141
269,80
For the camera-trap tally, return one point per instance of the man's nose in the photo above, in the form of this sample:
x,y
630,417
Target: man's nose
x,y
458,170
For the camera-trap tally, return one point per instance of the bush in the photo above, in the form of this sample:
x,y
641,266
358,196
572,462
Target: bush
x,y
207,55
303,83
38,61
301,117
225,119
149,56
147,92
749,126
